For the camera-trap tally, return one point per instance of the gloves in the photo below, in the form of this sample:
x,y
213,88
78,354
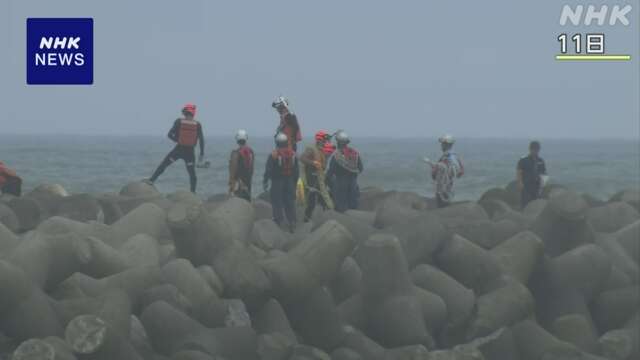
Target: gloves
x,y
317,165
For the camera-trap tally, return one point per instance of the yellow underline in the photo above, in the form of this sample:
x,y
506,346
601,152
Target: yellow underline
x,y
577,57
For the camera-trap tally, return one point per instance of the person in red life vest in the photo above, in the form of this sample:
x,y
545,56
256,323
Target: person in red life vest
x,y
328,148
288,123
344,168
186,133
241,167
10,182
283,171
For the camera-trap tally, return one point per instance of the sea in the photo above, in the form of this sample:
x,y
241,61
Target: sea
x,y
105,163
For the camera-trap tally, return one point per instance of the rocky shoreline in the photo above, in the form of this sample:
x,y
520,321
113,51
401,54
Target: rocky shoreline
x,y
143,275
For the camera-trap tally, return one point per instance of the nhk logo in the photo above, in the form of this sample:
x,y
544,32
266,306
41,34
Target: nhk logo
x,y
59,51
581,15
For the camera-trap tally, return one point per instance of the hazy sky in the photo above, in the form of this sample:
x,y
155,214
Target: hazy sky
x,y
375,68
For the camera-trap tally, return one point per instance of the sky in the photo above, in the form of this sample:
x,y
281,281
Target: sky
x,y
374,68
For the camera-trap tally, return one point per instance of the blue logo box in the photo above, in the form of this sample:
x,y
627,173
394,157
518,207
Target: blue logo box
x,y
59,51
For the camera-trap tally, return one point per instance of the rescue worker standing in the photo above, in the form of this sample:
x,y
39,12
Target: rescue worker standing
x,y
283,172
10,182
186,133
241,167
445,171
314,160
529,174
344,168
288,123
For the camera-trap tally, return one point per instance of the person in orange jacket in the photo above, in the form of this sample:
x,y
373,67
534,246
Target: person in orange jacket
x,y
10,182
186,133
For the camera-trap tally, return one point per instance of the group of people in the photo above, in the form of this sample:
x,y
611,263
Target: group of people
x,y
327,172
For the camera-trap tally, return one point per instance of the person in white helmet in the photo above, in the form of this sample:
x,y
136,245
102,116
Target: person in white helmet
x,y
289,124
344,167
443,172
241,167
282,171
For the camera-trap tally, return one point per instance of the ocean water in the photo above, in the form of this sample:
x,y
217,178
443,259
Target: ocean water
x,y
105,164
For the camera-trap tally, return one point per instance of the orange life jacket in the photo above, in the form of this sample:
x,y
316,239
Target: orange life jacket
x,y
286,160
188,132
246,157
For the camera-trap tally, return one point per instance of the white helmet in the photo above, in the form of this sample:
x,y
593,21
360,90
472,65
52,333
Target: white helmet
x,y
342,137
242,135
281,101
282,139
447,139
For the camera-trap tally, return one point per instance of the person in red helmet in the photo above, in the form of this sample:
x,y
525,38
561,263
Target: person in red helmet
x,y
288,123
186,133
314,160
10,182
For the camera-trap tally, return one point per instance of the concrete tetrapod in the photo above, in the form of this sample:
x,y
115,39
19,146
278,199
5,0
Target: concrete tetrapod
x,y
209,240
502,307
612,216
8,218
347,282
8,240
358,228
535,343
49,348
312,263
629,238
613,308
393,308
460,301
577,330
273,319
420,236
624,343
563,225
619,257
25,310
519,255
185,333
240,216
104,333
468,263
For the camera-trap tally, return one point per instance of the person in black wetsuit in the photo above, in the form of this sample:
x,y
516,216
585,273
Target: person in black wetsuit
x,y
186,133
283,171
344,167
529,174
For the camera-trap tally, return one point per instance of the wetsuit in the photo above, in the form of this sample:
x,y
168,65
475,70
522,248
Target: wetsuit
x,y
344,168
185,134
10,182
283,172
290,126
316,189
241,172
531,169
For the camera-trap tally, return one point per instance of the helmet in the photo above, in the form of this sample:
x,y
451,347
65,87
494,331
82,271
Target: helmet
x,y
321,135
280,102
190,108
447,139
242,135
282,139
342,137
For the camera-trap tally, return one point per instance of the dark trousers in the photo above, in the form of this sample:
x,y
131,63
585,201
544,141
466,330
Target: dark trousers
x,y
186,153
528,195
12,186
346,194
313,197
283,200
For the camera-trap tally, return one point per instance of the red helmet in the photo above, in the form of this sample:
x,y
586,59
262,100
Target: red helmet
x,y
328,148
190,108
321,135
